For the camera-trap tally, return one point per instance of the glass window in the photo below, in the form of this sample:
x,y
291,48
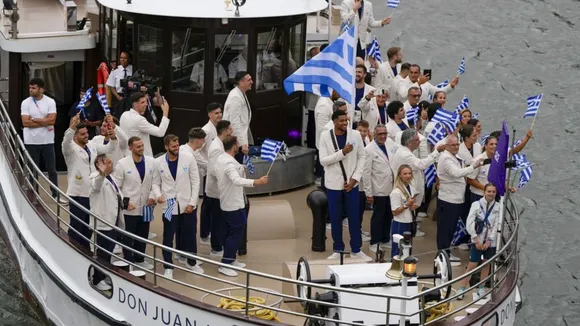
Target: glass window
x,y
187,61
129,30
150,57
114,24
296,50
107,33
269,59
231,54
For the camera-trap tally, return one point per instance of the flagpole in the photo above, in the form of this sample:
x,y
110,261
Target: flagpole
x,y
534,120
271,165
392,12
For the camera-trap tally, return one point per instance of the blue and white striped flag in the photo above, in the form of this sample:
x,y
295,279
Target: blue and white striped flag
x,y
533,105
413,115
374,50
430,175
332,69
249,165
483,139
344,27
148,213
525,167
103,101
461,69
440,85
475,116
270,149
459,233
437,134
464,104
168,214
452,123
393,3
83,101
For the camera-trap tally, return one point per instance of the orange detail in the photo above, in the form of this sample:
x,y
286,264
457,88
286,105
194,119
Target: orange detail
x,y
102,76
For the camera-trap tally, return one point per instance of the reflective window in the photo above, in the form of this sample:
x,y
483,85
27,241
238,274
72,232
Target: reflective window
x,y
187,61
150,51
107,33
114,28
296,49
269,59
129,30
231,57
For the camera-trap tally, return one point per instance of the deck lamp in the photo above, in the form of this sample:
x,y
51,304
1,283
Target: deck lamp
x,y
410,267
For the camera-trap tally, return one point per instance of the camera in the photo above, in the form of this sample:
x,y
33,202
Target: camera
x,y
139,79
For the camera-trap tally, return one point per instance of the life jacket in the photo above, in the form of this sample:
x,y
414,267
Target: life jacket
x,y
102,76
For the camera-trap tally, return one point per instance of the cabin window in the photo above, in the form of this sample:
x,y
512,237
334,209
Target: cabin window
x,y
232,56
491,321
269,59
187,61
296,48
114,38
107,34
150,57
100,281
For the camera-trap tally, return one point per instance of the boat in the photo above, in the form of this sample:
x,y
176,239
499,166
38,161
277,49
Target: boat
x,y
288,280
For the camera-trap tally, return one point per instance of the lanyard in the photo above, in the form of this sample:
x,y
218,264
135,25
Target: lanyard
x,y
486,214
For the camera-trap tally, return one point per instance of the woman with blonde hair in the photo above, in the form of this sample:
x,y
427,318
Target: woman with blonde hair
x,y
402,204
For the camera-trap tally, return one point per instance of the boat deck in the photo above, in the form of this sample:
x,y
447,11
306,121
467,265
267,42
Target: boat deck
x,y
279,257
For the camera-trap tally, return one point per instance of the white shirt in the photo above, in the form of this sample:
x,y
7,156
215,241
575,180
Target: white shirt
x,y
38,110
398,199
452,175
231,182
118,152
481,174
134,124
322,115
476,212
116,75
211,184
129,181
197,75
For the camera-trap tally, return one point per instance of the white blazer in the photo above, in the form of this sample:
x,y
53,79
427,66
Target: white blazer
x,y
395,94
237,111
393,129
452,173
129,181
322,115
378,173
231,177
427,89
363,104
353,162
185,186
79,167
367,20
405,156
104,202
211,184
371,114
210,135
465,155
385,76
199,158
118,152
135,125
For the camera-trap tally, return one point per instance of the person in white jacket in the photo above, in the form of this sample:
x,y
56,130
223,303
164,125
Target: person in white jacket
x,y
482,224
378,185
416,79
117,153
376,112
237,110
343,157
361,12
397,119
79,155
176,186
134,124
134,176
106,203
388,70
363,95
231,182
403,204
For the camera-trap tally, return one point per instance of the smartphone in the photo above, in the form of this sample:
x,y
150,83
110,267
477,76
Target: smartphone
x,y
415,196
486,161
427,72
125,202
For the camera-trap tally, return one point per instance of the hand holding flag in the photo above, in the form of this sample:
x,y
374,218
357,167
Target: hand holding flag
x,y
393,4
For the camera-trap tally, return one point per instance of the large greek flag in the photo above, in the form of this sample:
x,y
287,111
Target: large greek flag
x,y
331,69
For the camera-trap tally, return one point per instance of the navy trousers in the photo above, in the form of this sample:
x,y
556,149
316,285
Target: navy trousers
x,y
77,215
184,228
337,200
399,228
205,215
104,244
47,154
381,220
216,223
233,224
136,226
447,217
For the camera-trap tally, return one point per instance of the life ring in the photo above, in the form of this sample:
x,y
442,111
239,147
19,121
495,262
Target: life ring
x,y
102,76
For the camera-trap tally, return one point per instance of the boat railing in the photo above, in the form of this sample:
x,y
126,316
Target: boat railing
x,y
33,180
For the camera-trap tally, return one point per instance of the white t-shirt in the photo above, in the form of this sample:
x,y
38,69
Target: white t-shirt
x,y
397,200
38,110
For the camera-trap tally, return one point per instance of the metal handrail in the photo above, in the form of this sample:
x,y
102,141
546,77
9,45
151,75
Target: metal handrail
x,y
25,163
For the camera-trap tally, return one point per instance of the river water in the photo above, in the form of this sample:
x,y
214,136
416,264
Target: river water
x,y
513,50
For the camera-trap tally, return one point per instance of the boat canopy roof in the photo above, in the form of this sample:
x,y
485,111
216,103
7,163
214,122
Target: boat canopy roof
x,y
217,8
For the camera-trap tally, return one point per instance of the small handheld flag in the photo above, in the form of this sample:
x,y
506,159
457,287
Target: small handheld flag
x,y
270,149
461,69
413,115
430,175
533,107
440,85
437,134
525,167
459,233
374,50
249,165
464,104
104,104
393,3
83,101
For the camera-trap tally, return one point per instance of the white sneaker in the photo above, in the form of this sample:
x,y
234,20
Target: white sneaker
x,y
117,249
481,293
422,215
182,259
365,238
195,268
328,226
419,234
318,182
216,254
151,236
455,261
62,201
345,223
335,255
361,256
103,286
145,265
205,241
168,273
387,245
373,247
238,264
463,247
365,233
228,271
